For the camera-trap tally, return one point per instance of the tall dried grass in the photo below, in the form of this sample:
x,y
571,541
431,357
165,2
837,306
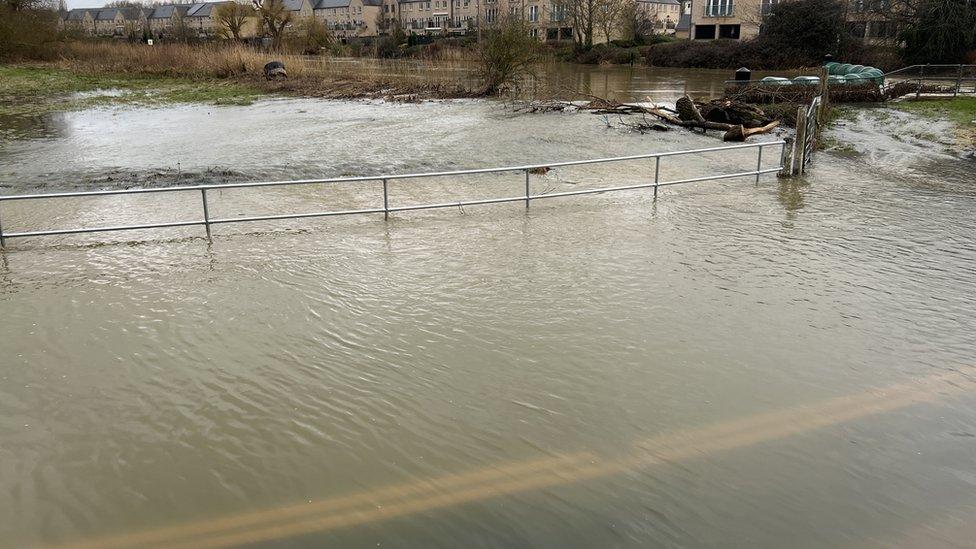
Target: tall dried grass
x,y
306,74
199,60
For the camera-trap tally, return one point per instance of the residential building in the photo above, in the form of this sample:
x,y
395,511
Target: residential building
x,y
80,20
355,18
201,18
683,28
661,15
349,18
120,21
167,19
869,20
728,19
300,8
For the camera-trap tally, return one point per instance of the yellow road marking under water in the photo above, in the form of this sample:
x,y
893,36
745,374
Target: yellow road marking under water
x,y
423,495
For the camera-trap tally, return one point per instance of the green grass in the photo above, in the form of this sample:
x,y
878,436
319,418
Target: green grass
x,y
961,110
33,90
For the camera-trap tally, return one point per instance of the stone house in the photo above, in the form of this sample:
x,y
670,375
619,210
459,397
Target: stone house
x,y
546,21
742,19
349,18
80,20
167,19
300,9
662,15
200,18
120,21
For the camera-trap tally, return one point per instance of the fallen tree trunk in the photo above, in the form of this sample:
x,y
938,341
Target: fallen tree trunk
x,y
740,133
745,120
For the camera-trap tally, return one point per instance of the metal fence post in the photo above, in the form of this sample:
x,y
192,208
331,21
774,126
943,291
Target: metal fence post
x,y
759,163
958,82
2,243
386,201
921,75
782,159
206,213
657,174
527,195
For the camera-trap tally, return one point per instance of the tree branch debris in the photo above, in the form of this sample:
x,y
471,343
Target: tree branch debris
x,y
737,119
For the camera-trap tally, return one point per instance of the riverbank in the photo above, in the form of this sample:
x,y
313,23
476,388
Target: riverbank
x,y
38,89
92,74
960,111
30,90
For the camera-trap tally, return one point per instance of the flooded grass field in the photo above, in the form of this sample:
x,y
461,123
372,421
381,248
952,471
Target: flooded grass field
x,y
788,363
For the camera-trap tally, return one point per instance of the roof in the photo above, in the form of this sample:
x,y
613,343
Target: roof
x,y
328,4
132,13
684,23
204,9
293,5
78,14
167,11
106,15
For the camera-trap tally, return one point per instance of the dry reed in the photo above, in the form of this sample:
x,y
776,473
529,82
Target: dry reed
x,y
317,76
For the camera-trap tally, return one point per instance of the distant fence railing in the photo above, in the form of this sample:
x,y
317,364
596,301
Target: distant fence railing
x,y
954,79
386,209
915,79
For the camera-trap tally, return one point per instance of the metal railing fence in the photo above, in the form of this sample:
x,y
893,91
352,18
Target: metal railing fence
x,y
955,79
386,208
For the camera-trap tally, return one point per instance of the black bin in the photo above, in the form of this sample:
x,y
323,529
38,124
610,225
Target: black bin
x,y
743,75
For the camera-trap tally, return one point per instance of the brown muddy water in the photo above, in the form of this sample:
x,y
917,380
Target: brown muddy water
x,y
619,82
788,363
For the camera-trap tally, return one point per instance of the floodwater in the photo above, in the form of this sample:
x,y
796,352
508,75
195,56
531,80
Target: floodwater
x,y
620,82
788,363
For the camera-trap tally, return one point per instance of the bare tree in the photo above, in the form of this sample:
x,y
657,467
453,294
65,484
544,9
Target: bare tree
x,y
231,18
583,15
609,15
274,18
634,22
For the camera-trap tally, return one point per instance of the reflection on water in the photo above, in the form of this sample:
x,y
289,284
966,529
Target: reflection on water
x,y
30,126
620,82
595,371
791,196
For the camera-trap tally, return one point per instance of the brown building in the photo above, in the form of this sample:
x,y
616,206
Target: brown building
x,y
349,18
742,19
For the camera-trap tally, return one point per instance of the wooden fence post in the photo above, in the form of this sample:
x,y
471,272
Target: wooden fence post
x,y
800,146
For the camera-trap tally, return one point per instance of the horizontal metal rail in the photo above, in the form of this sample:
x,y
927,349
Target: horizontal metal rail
x,y
207,221
381,177
920,68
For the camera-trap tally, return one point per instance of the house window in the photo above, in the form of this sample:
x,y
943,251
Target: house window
x,y
856,29
718,8
766,6
558,13
704,32
729,32
533,13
